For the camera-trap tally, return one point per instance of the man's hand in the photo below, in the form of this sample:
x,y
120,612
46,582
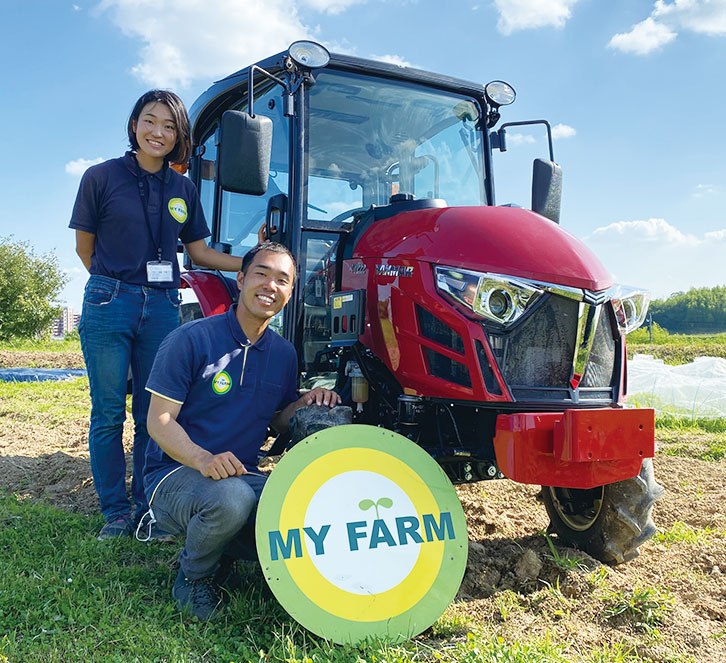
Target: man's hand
x,y
174,441
221,466
320,396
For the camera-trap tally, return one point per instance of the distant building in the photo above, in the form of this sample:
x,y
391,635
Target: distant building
x,y
66,322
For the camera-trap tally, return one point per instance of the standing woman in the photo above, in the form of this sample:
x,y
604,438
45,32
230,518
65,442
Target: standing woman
x,y
128,216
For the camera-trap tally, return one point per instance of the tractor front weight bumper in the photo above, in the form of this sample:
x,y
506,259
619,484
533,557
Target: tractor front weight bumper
x,y
574,448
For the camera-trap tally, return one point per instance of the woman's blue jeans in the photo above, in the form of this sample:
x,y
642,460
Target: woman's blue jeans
x,y
122,326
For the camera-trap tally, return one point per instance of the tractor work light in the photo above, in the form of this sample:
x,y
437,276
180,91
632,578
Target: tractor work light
x,y
496,298
499,93
630,305
308,54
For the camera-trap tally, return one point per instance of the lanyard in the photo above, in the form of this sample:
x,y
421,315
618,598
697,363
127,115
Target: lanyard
x,y
145,205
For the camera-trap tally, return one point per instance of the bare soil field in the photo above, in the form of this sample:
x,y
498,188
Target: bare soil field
x,y
514,587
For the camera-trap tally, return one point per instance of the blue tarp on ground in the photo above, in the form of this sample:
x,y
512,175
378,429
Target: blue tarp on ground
x,y
40,374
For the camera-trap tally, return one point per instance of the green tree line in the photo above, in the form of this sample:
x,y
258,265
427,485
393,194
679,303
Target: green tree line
x,y
698,311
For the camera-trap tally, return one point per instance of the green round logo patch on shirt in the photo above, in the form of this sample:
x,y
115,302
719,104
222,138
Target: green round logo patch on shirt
x,y
178,209
221,383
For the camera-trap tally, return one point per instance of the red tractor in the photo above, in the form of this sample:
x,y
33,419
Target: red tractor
x,y
487,334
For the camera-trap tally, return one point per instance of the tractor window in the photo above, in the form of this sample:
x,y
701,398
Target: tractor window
x,y
208,164
328,197
371,138
242,215
317,276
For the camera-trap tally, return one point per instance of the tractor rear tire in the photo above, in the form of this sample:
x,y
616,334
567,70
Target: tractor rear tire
x,y
609,522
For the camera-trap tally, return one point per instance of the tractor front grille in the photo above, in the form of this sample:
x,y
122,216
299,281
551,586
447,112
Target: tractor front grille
x,y
536,356
538,352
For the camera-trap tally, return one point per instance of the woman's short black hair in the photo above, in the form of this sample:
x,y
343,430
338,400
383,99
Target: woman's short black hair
x,y
183,148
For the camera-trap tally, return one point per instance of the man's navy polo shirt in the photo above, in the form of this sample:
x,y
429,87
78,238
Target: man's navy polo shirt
x,y
229,389
109,206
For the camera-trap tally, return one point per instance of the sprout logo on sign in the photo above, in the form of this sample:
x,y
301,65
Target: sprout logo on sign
x,y
360,534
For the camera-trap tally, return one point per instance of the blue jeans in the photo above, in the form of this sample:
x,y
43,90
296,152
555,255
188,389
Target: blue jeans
x,y
217,517
122,326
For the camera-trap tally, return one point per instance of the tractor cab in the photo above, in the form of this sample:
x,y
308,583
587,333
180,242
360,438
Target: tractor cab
x,y
322,146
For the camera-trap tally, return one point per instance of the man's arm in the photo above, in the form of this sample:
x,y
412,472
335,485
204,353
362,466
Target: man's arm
x,y
85,246
162,425
204,255
319,396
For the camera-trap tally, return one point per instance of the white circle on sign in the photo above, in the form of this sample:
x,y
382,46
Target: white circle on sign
x,y
367,511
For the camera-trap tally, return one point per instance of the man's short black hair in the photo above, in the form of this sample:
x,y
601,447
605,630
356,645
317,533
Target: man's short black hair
x,y
274,247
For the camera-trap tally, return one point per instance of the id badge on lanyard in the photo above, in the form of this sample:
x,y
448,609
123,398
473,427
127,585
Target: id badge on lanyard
x,y
157,271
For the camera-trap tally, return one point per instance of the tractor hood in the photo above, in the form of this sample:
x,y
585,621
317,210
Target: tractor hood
x,y
501,240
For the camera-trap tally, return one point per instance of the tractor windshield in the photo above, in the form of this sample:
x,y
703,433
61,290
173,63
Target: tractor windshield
x,y
370,138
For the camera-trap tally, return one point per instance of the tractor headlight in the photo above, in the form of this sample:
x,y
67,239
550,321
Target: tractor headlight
x,y
631,306
496,298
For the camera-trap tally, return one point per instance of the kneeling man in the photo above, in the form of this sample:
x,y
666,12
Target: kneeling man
x,y
216,385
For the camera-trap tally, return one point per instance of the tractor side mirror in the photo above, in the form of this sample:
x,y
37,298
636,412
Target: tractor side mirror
x,y
546,189
244,152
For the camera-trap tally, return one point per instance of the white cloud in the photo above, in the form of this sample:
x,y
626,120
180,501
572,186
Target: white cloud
x,y
644,37
562,131
205,39
392,59
331,6
656,255
667,19
650,231
704,16
79,166
519,139
704,190
523,14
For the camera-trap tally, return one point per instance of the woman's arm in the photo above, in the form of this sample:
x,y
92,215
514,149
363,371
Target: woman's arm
x,y
205,256
85,247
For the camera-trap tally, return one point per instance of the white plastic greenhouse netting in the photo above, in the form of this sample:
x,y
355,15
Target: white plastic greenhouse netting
x,y
696,390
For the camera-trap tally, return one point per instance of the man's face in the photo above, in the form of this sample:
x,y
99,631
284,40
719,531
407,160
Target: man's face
x,y
266,286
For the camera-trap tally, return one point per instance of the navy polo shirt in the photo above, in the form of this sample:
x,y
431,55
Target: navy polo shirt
x,y
229,389
109,205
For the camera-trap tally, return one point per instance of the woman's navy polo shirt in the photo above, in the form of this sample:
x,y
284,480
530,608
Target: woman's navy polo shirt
x,y
109,206
229,389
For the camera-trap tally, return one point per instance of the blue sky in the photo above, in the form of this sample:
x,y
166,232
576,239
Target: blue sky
x,y
635,89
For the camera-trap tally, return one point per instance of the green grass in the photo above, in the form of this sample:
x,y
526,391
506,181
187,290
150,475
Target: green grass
x,y
662,337
64,596
71,344
691,442
45,403
675,348
644,607
477,650
566,561
682,533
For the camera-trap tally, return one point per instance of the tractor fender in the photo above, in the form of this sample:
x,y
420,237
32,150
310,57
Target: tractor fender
x,y
214,292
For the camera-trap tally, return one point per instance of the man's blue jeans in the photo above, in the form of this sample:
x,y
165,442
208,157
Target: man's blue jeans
x,y
122,326
217,517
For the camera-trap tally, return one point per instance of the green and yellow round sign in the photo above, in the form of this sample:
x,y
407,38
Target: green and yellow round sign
x,y
360,534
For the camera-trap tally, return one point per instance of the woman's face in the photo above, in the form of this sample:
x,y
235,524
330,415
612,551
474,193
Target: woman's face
x,y
155,131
